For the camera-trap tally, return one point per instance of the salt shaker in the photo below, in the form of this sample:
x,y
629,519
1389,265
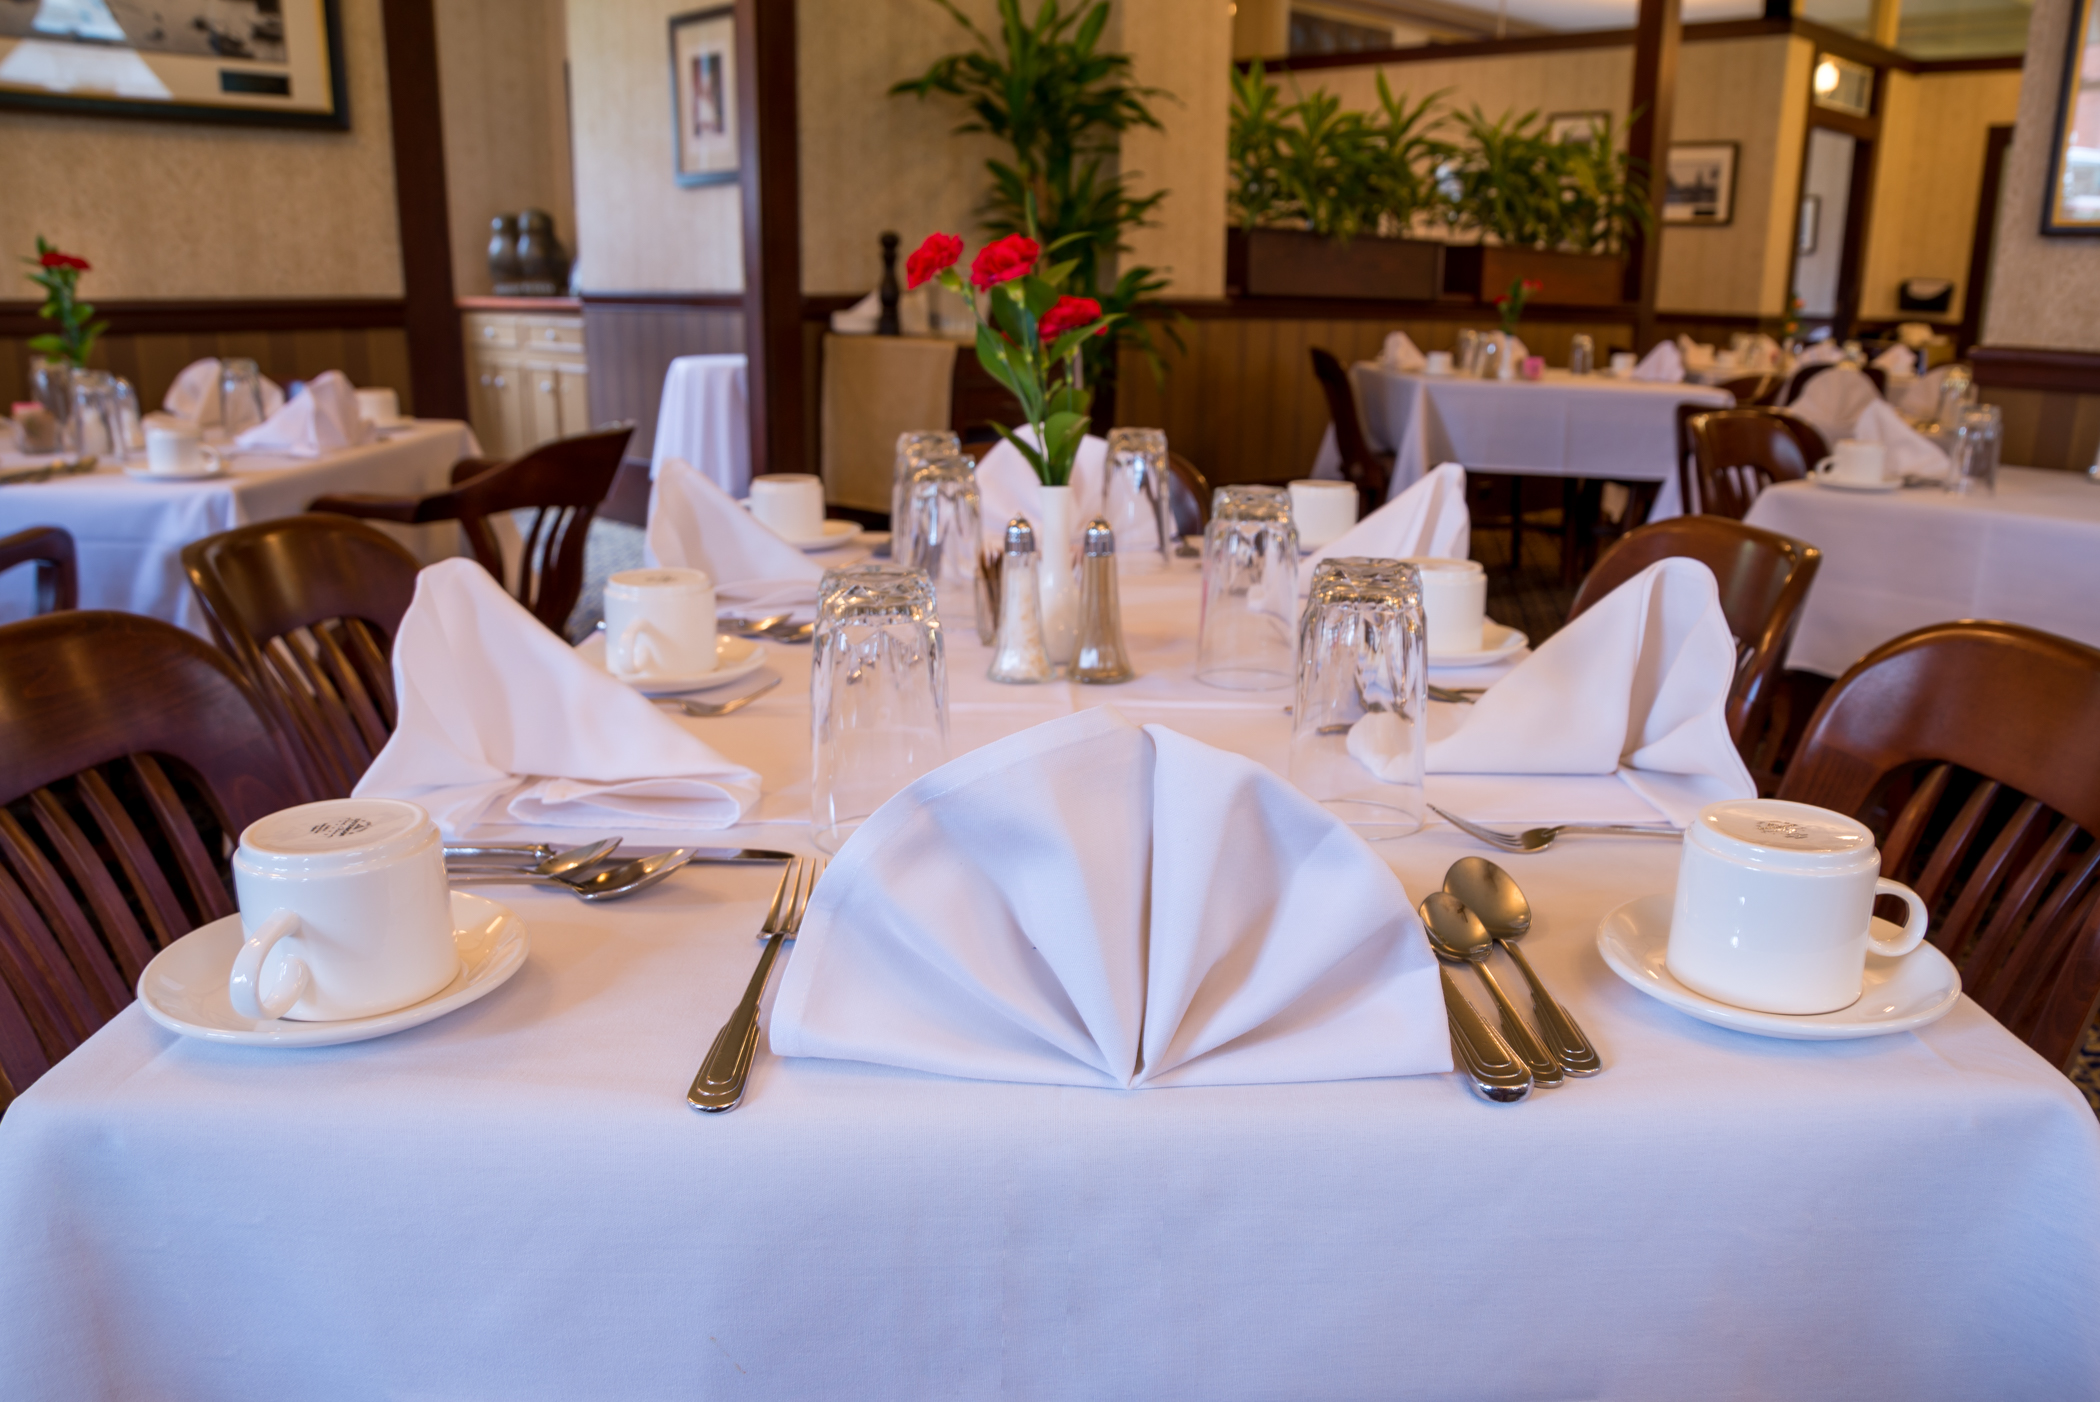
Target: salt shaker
x,y
1018,653
1101,657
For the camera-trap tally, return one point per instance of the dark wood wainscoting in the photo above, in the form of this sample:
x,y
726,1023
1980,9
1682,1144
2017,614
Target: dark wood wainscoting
x,y
631,340
2051,403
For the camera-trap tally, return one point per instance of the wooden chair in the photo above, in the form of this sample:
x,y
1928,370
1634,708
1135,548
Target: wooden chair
x,y
1730,455
562,482
50,549
1368,469
1188,492
1764,579
131,756
1755,390
307,606
1973,751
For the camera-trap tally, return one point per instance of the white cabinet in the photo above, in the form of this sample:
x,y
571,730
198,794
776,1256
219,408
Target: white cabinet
x,y
526,378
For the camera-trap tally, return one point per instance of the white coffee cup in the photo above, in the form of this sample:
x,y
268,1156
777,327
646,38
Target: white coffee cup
x,y
345,911
1454,603
176,448
379,407
659,623
1623,363
1855,463
792,503
1322,511
1439,363
1774,907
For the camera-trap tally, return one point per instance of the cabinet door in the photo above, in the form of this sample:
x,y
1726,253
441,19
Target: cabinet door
x,y
511,411
572,390
484,409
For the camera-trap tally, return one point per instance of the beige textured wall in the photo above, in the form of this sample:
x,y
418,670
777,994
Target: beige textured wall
x,y
181,210
2045,292
1184,46
506,123
637,230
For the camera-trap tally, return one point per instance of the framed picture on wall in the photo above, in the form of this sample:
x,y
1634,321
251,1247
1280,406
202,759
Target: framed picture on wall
x,y
257,62
703,96
2071,204
1811,224
1699,183
1563,127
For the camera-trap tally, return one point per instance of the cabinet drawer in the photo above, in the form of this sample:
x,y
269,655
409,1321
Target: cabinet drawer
x,y
496,331
545,335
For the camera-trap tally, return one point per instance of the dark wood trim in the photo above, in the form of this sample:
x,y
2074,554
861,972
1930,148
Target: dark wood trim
x,y
1437,53
2024,367
769,178
1657,40
1985,237
159,318
1837,41
437,357
1865,128
1859,215
2012,62
663,299
1324,309
520,304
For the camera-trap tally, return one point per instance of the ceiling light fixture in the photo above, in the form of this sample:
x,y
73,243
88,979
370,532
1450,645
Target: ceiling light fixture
x,y
1826,77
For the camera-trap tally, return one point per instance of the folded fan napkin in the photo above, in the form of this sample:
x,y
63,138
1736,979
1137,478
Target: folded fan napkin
x,y
1008,487
1638,685
1909,452
1401,353
1920,398
1832,402
322,420
1821,353
694,524
1762,353
1429,518
194,394
1664,364
1695,355
1087,903
1898,362
501,721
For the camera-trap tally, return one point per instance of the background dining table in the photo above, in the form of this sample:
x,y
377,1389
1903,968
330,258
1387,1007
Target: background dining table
x,y
516,1201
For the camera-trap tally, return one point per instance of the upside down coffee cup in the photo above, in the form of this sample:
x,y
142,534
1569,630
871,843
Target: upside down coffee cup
x,y
1775,905
345,912
1855,463
659,624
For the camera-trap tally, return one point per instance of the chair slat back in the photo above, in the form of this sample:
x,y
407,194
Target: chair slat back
x,y
1974,750
1737,453
563,484
50,549
1362,464
1188,495
1755,390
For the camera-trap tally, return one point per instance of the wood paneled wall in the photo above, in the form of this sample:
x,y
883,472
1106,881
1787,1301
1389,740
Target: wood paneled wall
x,y
2048,428
630,343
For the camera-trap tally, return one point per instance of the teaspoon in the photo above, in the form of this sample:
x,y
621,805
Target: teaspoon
x,y
1495,899
1456,934
553,864
607,884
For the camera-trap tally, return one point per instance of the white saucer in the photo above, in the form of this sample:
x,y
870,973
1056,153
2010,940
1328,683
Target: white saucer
x,y
1900,994
184,988
1496,643
1887,484
145,476
734,657
834,534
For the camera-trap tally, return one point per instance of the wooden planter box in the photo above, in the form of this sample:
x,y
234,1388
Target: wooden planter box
x,y
1570,279
1293,263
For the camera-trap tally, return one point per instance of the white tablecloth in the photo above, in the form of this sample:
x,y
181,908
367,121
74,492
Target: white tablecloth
x,y
515,1201
705,418
1899,560
1562,426
129,533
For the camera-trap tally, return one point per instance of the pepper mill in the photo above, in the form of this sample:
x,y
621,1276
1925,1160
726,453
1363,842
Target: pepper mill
x,y
888,324
1018,653
1101,658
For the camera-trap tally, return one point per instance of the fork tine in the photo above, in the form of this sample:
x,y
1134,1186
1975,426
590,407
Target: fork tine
x,y
1487,835
780,895
815,869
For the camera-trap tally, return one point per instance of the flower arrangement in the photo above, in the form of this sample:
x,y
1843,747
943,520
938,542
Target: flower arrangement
x,y
59,275
1511,303
1029,337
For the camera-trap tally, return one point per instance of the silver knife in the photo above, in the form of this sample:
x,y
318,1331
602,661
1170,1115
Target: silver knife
x,y
539,852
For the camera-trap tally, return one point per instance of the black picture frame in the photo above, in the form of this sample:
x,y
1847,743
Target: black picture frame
x,y
704,122
1699,184
2057,220
247,83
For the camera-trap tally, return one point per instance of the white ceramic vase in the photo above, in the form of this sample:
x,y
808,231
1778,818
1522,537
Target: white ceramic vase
x,y
1060,583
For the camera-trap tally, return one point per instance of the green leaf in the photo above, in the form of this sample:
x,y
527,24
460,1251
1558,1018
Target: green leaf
x,y
47,345
1062,434
1027,450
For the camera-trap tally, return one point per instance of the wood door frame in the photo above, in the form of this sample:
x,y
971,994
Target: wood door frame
x,y
769,181
1982,243
437,354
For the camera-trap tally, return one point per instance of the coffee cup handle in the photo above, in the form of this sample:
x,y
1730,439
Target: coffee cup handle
x,y
621,652
1823,468
243,985
1913,929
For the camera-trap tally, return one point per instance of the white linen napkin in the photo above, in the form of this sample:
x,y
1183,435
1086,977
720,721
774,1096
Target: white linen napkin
x,y
1827,352
1400,353
1429,518
1695,356
324,419
864,316
1087,903
1638,685
1909,452
694,524
1920,398
194,394
1897,362
1832,402
1762,354
1664,364
1008,487
501,721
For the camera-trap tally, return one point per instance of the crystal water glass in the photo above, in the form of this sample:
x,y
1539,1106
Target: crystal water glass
x,y
98,416
939,533
916,448
240,395
1247,637
1359,742
1582,354
878,694
1468,353
1972,456
1137,497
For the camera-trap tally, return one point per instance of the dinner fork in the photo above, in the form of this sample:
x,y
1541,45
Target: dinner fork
x,y
1539,839
720,1084
707,709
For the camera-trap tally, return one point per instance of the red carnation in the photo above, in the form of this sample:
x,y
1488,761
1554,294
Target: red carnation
x,y
1500,300
1534,285
55,259
1011,257
1069,314
937,255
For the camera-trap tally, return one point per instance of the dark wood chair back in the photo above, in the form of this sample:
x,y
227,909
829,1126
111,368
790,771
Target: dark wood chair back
x,y
1755,390
1973,751
50,549
131,756
1188,492
561,482
1806,373
307,606
1370,470
1733,454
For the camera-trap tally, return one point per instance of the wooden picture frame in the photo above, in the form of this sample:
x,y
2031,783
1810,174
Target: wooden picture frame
x,y
704,121
1563,127
2071,201
276,63
1699,183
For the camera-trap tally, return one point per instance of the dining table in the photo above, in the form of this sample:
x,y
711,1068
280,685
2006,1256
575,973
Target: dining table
x,y
1900,558
516,1201
129,529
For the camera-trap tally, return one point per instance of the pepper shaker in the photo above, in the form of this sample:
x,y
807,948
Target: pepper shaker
x,y
1018,653
1101,657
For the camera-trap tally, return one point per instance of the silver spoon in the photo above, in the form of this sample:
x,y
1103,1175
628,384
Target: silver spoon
x,y
606,884
708,709
552,864
1499,905
1456,934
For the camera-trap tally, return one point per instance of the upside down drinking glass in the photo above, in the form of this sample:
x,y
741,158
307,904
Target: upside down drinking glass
x,y
878,694
1359,744
938,533
915,449
1135,497
1247,638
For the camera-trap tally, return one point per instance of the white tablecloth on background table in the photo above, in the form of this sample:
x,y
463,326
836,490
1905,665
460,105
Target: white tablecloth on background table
x,y
129,533
1562,426
1895,561
705,418
515,1201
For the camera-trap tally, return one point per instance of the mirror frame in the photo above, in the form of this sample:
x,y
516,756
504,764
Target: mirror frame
x,y
2085,14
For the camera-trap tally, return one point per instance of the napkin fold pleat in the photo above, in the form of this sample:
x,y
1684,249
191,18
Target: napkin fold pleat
x,y
1008,487
1664,364
1909,452
194,394
323,419
1833,401
1430,518
1400,353
694,524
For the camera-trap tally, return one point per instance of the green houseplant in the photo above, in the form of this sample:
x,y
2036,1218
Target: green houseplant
x,y
59,275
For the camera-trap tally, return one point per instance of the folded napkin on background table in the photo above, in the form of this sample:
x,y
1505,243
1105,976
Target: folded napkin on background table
x,y
194,394
1920,398
1429,518
1087,903
1909,452
1695,356
1832,402
501,722
1402,354
1762,354
1821,353
1637,685
1664,364
323,419
1008,487
694,524
1897,362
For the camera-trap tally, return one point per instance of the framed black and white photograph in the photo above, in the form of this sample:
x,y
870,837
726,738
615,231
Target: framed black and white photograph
x,y
2071,204
703,96
258,62
1811,224
1699,183
1582,127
